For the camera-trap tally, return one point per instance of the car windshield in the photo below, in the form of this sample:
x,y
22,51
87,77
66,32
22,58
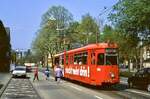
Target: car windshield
x,y
22,69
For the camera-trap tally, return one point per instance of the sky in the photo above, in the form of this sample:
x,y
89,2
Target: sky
x,y
23,17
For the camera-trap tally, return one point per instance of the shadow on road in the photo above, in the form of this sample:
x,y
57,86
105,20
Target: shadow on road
x,y
1,85
21,77
117,87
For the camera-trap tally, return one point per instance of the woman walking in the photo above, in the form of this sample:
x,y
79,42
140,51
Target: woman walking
x,y
36,73
58,73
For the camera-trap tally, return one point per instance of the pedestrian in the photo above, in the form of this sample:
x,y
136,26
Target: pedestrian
x,y
58,73
36,73
47,73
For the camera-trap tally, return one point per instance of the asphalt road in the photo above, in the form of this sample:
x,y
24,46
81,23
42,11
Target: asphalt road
x,y
49,89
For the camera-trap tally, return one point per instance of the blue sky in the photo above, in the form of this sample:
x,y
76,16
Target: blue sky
x,y
24,16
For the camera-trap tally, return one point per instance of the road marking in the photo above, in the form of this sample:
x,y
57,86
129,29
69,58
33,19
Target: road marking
x,y
76,88
138,92
98,97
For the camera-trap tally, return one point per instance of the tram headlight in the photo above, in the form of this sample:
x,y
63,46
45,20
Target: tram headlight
x,y
112,75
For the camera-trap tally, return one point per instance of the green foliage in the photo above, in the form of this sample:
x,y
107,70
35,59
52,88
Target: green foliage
x,y
72,35
4,49
126,74
108,34
127,43
46,39
132,16
52,36
88,29
62,16
13,56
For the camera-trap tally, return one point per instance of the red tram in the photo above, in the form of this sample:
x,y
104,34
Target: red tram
x,y
94,64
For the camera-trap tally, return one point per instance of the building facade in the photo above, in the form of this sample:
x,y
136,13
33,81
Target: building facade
x,y
146,55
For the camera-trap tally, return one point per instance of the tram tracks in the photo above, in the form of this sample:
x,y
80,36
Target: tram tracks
x,y
19,88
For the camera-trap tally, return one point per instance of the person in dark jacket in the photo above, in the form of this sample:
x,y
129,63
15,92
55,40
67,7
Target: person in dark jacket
x,y
47,73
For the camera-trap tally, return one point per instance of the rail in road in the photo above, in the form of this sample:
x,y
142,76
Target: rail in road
x,y
20,88
49,89
123,91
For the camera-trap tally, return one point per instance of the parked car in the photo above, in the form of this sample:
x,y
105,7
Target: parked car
x,y
19,71
140,79
28,69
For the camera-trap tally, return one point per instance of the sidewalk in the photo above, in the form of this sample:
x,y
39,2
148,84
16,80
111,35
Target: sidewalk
x,y
4,79
124,80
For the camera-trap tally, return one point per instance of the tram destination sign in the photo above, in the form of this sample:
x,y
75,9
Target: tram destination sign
x,y
111,50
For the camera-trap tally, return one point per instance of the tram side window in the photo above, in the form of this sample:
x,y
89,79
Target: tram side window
x,y
56,60
80,58
66,59
100,59
84,58
75,59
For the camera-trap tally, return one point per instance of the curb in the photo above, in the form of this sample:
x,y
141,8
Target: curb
x,y
30,81
35,89
4,87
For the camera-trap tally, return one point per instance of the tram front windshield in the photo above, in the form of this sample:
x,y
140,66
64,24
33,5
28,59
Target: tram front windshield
x,y
108,58
111,60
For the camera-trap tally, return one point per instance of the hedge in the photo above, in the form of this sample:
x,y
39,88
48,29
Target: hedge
x,y
126,74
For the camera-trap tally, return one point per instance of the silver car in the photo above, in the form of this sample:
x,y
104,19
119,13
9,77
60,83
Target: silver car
x,y
19,71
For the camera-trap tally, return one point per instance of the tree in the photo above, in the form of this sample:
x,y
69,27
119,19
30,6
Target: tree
x,y
72,35
52,35
46,40
127,43
132,16
58,13
88,29
108,34
4,49
62,18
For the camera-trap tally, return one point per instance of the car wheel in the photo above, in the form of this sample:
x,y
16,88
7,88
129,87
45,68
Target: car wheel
x,y
24,76
13,76
130,84
148,87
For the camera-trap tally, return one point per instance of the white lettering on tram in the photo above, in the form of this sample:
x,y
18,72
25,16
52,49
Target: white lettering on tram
x,y
76,71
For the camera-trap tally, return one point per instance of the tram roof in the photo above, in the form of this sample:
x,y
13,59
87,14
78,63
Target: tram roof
x,y
90,46
94,46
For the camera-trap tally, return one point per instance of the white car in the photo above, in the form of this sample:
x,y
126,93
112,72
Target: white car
x,y
19,71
